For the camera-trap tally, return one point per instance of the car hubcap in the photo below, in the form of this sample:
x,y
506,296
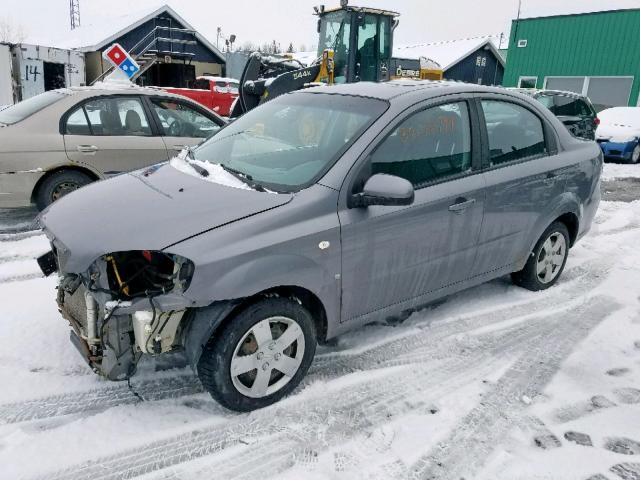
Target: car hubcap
x,y
267,357
62,189
551,257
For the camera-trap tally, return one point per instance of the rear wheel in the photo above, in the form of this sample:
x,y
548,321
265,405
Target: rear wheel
x,y
260,355
59,184
546,262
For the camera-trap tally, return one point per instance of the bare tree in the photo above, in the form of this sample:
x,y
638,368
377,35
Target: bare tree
x,y
10,32
249,47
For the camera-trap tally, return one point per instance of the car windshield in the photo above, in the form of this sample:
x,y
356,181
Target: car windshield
x,y
290,142
22,110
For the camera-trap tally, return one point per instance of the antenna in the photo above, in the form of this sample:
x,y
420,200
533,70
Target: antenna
x,y
74,13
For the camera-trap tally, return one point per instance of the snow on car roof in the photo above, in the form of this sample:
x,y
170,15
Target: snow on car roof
x,y
446,53
623,116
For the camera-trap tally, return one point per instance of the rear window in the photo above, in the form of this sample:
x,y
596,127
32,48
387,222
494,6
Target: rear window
x,y
18,112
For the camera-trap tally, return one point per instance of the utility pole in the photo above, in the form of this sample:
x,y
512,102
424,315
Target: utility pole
x,y
515,33
74,13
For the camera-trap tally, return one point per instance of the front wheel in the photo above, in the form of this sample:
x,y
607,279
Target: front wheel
x,y
635,155
260,355
546,262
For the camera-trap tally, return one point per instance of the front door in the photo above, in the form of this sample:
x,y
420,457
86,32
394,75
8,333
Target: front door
x,y
112,134
396,255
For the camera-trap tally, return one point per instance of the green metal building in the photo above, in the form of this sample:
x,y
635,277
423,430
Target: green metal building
x,y
596,54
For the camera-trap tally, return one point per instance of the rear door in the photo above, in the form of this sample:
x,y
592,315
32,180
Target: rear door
x,y
112,134
522,178
182,124
395,255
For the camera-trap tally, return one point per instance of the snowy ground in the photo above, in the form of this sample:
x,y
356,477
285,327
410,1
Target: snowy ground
x,y
494,383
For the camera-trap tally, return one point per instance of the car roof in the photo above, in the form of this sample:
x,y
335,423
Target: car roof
x,y
405,88
541,91
118,88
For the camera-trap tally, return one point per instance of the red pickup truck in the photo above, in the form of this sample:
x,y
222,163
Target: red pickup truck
x,y
216,93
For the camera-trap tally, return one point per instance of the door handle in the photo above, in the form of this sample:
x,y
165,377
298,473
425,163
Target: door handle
x,y
87,148
461,204
180,147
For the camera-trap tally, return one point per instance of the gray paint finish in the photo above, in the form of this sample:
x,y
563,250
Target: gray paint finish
x,y
381,260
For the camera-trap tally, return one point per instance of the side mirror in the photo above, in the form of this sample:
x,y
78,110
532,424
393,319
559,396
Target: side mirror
x,y
383,189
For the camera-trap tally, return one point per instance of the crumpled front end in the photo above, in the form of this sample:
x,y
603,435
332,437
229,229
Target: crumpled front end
x,y
125,305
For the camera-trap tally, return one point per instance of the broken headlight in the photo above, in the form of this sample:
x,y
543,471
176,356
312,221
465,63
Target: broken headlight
x,y
143,273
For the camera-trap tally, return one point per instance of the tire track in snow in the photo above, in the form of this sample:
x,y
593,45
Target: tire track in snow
x,y
428,340
297,444
464,452
348,412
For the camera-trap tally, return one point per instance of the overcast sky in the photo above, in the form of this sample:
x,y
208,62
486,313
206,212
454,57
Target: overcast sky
x,y
287,21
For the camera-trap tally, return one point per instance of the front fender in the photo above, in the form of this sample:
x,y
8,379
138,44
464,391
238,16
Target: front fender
x,y
263,273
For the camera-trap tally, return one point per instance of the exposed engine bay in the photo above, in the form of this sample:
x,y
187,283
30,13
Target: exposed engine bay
x,y
122,308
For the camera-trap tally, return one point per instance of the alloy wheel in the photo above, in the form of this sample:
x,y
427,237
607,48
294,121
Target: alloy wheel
x,y
551,257
267,357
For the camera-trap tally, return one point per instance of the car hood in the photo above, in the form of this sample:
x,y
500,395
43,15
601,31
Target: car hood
x,y
150,209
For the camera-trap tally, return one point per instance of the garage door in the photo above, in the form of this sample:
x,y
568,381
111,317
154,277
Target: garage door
x,y
605,92
566,84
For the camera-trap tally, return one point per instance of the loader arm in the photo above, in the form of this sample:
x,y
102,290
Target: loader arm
x,y
267,77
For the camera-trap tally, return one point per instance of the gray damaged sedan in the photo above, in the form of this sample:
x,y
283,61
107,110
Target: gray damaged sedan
x,y
314,214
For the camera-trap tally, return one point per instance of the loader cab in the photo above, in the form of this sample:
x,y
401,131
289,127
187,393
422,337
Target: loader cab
x,y
361,38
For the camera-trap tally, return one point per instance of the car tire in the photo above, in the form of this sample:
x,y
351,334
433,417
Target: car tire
x,y
59,184
635,155
547,260
239,366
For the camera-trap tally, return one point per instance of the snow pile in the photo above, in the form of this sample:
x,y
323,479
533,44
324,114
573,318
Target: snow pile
x,y
612,171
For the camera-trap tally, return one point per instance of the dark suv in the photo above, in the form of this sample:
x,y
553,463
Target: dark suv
x,y
574,110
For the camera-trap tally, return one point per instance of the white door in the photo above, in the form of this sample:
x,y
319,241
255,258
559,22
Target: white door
x,y
6,86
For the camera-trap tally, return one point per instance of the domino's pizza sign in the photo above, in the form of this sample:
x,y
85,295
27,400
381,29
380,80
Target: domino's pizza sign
x,y
119,57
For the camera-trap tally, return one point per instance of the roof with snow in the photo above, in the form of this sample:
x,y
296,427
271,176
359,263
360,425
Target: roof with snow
x,y
448,53
94,37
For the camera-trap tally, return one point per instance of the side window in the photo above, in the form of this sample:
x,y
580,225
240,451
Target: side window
x,y
180,120
547,101
200,84
514,132
567,106
221,87
77,123
428,146
117,116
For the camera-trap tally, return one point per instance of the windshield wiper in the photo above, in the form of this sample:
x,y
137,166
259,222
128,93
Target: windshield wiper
x,y
243,177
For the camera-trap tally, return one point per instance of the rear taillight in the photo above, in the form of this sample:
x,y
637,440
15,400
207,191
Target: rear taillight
x,y
596,121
